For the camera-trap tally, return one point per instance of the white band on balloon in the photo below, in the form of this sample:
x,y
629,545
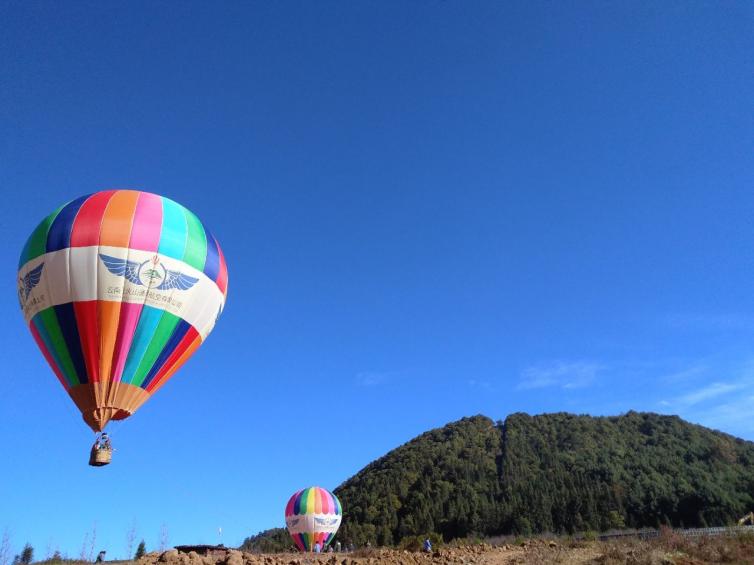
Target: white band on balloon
x,y
117,274
313,523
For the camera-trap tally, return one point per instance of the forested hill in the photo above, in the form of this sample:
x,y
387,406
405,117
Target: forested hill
x,y
554,472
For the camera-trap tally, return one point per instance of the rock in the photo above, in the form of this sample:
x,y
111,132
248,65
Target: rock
x,y
148,559
169,556
234,557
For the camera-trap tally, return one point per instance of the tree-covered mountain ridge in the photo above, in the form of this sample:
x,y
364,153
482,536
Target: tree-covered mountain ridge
x,y
560,473
552,472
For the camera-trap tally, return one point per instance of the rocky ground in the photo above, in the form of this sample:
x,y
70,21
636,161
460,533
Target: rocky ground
x,y
478,554
669,551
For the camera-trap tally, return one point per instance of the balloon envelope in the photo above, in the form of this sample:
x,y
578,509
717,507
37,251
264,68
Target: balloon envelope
x,y
313,515
119,288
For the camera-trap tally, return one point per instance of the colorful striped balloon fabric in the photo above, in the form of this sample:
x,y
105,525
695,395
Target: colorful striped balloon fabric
x,y
313,516
119,288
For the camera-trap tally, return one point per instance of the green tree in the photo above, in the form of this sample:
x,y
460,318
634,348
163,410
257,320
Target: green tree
x,y
522,526
141,549
276,540
616,520
27,554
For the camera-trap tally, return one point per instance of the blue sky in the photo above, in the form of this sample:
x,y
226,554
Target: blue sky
x,y
429,210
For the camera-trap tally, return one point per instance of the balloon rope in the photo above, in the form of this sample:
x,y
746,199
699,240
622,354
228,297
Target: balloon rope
x,y
115,426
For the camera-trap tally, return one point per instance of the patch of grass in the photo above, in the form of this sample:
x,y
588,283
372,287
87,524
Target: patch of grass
x,y
672,547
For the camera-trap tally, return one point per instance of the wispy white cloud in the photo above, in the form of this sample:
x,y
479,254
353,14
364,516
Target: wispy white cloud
x,y
741,382
732,416
724,405
708,392
560,374
685,375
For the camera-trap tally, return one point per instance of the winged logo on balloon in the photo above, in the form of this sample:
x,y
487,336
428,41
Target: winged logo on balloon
x,y
29,281
326,521
148,273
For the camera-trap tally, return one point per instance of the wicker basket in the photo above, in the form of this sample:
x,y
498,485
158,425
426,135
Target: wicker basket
x,y
100,457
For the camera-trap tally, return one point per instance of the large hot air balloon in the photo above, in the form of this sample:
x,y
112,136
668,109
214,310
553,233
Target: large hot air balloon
x,y
313,515
119,288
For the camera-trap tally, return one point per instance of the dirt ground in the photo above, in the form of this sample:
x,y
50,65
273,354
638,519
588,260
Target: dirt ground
x,y
669,551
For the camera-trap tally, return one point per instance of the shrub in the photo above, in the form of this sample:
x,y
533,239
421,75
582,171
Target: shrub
x,y
416,543
461,542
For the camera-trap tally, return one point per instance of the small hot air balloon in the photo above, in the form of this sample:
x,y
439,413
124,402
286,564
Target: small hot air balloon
x,y
312,516
119,288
